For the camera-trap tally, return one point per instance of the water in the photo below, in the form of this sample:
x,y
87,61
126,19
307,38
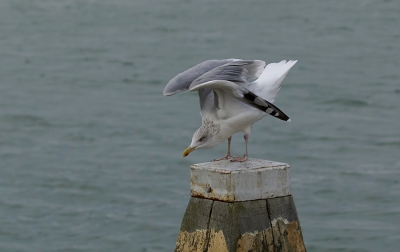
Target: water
x,y
90,150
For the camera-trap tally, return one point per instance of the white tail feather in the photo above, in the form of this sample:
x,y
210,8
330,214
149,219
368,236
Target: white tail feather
x,y
269,82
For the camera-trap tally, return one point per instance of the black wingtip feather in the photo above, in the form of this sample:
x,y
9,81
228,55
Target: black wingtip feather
x,y
269,109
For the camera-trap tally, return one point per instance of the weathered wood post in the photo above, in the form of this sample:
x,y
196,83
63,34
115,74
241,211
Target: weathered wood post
x,y
240,207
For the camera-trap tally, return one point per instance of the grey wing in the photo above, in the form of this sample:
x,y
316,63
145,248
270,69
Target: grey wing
x,y
182,81
239,72
206,96
229,78
230,81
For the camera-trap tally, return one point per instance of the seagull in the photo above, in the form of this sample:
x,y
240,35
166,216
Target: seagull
x,y
233,94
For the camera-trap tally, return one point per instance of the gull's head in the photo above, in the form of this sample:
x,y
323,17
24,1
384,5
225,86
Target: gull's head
x,y
204,138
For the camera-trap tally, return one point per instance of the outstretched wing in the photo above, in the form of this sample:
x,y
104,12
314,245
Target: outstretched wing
x,y
230,80
240,71
182,81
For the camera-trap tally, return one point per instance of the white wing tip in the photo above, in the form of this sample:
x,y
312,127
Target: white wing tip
x,y
166,93
289,120
292,62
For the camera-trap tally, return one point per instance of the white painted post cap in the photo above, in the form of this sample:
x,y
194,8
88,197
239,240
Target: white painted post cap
x,y
233,181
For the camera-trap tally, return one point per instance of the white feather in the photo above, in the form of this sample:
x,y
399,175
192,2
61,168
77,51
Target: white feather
x,y
269,82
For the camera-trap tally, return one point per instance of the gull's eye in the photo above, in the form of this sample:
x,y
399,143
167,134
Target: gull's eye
x,y
202,139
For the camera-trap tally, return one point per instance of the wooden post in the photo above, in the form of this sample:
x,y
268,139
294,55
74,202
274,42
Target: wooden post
x,y
240,207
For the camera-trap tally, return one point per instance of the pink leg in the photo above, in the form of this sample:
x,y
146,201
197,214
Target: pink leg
x,y
228,154
244,158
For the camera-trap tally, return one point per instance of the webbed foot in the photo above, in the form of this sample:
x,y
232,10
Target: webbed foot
x,y
223,158
239,159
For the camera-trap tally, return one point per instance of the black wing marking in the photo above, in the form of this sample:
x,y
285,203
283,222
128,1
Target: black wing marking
x,y
263,105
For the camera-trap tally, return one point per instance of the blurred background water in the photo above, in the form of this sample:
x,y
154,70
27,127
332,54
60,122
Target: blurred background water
x,y
90,149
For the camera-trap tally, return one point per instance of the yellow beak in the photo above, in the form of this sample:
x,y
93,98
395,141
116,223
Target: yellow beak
x,y
187,151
